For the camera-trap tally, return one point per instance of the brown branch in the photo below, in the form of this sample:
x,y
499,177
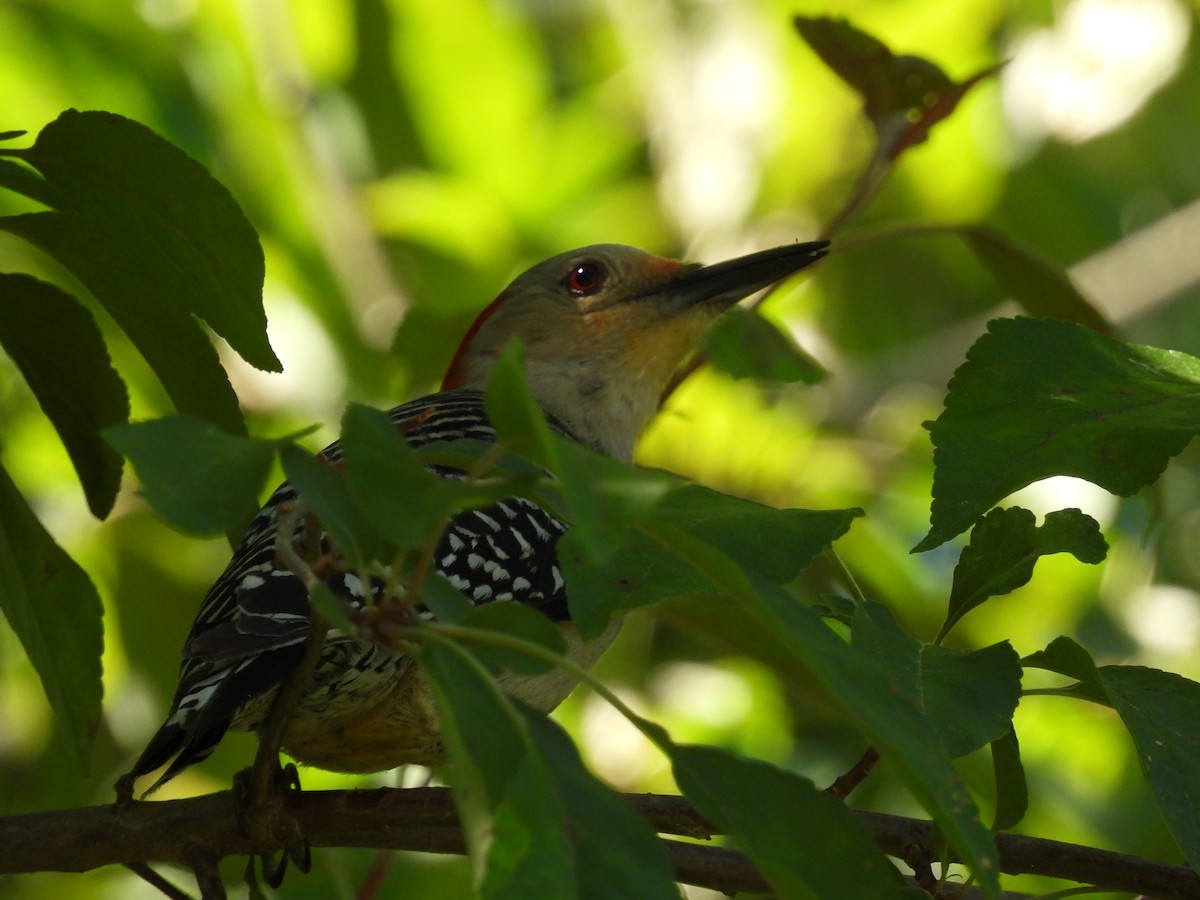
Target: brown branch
x,y
424,819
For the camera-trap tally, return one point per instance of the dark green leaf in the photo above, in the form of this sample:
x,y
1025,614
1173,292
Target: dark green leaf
x,y
200,479
786,826
1005,545
331,609
1039,286
616,854
656,564
484,733
529,852
54,610
204,255
130,283
60,351
1066,657
1038,398
323,488
895,725
743,344
650,570
903,96
1162,712
1012,793
518,420
520,621
969,698
604,498
537,819
446,602
402,499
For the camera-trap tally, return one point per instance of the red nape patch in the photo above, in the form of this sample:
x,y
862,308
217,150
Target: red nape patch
x,y
455,374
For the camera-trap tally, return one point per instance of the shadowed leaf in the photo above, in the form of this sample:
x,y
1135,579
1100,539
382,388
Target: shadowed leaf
x,y
60,351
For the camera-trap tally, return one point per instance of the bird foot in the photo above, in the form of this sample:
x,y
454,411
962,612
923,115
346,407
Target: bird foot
x,y
267,821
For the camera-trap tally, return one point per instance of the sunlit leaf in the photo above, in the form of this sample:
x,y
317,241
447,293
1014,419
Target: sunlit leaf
x,y
903,96
1005,545
61,353
786,826
1042,288
54,610
199,478
1037,398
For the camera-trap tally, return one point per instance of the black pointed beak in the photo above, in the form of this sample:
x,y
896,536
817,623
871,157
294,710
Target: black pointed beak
x,y
725,283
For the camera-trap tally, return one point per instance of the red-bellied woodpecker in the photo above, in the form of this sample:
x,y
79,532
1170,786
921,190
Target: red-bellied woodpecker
x,y
604,328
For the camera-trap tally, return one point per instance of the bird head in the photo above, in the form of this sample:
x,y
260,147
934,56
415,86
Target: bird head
x,y
605,327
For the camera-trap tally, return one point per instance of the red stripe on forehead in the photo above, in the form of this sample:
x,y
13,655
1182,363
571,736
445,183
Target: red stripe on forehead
x,y
455,376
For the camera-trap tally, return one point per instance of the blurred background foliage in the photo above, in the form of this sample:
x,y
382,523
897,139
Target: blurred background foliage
x,y
402,159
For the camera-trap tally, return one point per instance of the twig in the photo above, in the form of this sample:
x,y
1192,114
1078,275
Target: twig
x,y
845,783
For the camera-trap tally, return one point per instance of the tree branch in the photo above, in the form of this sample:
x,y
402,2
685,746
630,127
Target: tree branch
x,y
424,819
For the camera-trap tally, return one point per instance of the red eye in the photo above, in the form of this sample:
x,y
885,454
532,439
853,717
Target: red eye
x,y
585,278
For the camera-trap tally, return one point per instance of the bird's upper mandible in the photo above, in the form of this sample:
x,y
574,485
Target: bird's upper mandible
x,y
604,327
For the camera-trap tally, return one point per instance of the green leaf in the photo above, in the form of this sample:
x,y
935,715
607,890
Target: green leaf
x,y
61,353
446,602
158,242
200,479
520,621
324,489
616,853
862,685
330,608
968,698
903,96
529,853
1067,657
1005,545
518,420
1038,398
605,498
785,825
55,612
539,823
658,563
1039,286
1012,792
207,259
677,563
402,499
1161,711
743,344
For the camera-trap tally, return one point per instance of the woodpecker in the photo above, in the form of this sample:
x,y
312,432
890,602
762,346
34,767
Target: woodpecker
x,y
604,328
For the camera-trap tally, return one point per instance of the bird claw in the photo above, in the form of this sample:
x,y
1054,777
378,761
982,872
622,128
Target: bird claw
x,y
270,824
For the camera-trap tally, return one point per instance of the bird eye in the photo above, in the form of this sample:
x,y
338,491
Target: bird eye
x,y
585,278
